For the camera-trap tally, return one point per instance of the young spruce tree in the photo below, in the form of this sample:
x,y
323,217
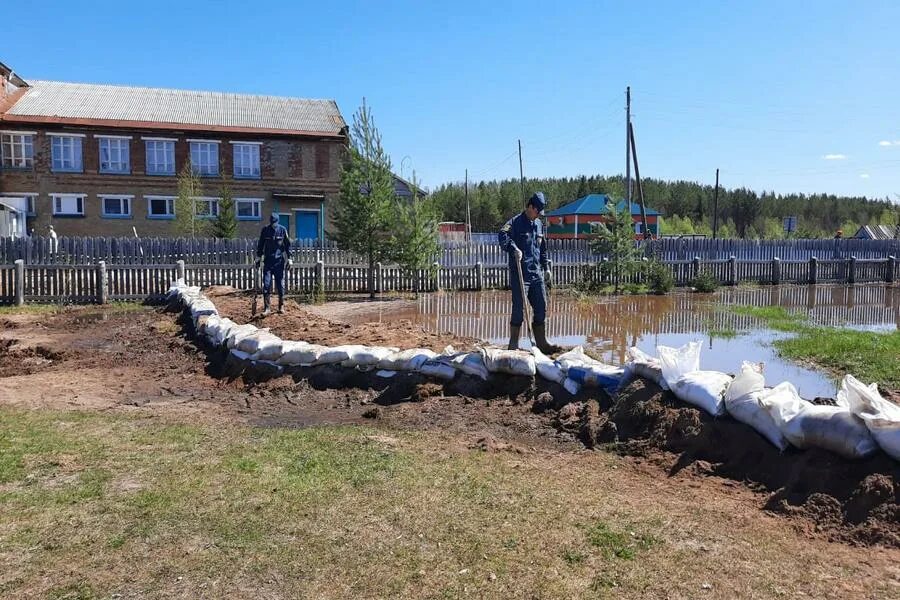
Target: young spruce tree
x,y
225,224
615,239
189,187
364,216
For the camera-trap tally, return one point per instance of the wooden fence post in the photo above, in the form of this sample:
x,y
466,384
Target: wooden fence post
x,y
379,278
891,268
20,282
776,270
732,270
813,270
851,270
320,275
102,283
695,267
179,269
479,276
436,267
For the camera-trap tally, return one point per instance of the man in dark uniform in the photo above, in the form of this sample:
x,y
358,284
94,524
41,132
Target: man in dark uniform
x,y
274,248
522,237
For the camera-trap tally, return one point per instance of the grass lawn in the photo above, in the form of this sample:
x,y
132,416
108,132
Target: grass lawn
x,y
870,356
94,505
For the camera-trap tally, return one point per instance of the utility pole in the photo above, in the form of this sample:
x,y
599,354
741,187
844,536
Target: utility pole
x,y
640,187
628,147
468,212
716,207
521,173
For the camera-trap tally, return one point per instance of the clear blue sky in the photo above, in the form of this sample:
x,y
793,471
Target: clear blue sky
x,y
784,96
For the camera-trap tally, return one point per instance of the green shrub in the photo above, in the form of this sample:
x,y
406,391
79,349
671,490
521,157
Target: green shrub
x,y
659,278
705,282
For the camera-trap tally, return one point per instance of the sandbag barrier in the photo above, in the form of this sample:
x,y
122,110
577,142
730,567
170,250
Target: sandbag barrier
x,y
858,424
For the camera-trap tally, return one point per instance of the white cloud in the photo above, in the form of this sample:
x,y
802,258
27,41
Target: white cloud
x,y
864,175
887,143
834,157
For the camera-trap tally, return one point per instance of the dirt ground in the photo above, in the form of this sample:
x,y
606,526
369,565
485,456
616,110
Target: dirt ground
x,y
143,361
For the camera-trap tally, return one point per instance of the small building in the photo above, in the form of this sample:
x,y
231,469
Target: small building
x,y
877,232
578,219
452,231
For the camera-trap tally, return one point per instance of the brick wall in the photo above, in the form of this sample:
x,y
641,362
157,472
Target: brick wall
x,y
291,166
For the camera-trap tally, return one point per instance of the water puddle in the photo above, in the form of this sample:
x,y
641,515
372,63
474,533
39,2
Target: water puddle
x,y
610,325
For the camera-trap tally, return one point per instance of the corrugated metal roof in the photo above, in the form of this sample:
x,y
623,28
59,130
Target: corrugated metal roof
x,y
877,232
157,105
595,204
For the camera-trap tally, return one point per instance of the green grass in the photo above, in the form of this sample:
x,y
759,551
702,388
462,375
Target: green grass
x,y
45,309
869,356
100,505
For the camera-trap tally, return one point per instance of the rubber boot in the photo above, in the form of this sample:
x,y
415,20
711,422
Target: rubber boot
x,y
266,310
514,331
540,338
281,306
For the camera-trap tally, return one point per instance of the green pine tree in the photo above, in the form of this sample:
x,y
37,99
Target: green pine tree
x,y
615,239
225,224
415,238
189,187
364,216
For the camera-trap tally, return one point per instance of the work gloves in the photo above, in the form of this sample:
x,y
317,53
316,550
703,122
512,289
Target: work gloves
x,y
548,279
256,264
517,253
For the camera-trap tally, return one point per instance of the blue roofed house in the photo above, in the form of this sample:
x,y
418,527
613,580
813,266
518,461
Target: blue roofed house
x,y
577,219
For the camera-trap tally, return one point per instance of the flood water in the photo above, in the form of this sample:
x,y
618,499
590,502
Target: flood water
x,y
609,325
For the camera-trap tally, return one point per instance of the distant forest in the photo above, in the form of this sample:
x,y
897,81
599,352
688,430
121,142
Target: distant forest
x,y
687,207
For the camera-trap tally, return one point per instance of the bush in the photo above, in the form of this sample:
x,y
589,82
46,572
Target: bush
x,y
705,282
659,278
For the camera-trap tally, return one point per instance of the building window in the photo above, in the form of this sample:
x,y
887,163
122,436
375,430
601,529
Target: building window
x,y
246,160
17,150
66,153
248,209
206,208
31,208
160,157
29,201
68,205
205,158
115,155
160,207
116,207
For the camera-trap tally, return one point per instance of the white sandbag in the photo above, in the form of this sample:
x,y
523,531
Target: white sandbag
x,y
742,403
703,389
188,293
261,344
641,364
175,288
881,416
438,368
676,362
571,386
218,328
514,362
406,360
364,356
471,363
547,367
201,306
588,371
573,358
301,354
239,332
808,425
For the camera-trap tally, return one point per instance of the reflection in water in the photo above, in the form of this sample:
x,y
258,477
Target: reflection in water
x,y
610,325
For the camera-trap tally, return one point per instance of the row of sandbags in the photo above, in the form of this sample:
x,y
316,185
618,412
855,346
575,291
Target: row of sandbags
x,y
859,422
572,370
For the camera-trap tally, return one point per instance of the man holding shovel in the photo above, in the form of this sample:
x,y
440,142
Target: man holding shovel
x,y
522,237
274,249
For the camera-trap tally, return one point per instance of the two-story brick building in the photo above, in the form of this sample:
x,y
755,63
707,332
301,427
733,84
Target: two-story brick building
x,y
102,159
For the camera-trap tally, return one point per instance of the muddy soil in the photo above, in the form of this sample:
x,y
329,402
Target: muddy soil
x,y
314,325
150,362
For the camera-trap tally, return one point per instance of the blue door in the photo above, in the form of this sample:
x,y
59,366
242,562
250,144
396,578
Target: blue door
x,y
285,221
307,225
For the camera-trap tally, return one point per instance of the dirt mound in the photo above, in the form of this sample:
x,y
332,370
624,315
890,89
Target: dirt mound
x,y
300,324
857,501
19,359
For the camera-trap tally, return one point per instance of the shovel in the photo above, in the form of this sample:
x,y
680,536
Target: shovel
x,y
257,289
525,306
